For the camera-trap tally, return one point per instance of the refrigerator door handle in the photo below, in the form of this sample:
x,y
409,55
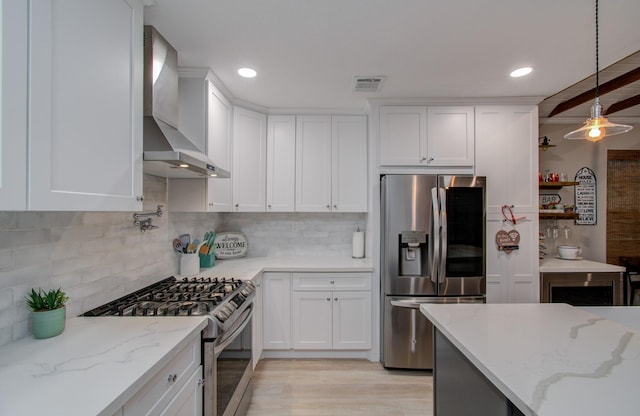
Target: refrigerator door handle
x,y
415,303
434,251
443,239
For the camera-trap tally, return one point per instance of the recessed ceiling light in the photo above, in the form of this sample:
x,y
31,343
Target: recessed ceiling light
x,y
247,72
520,72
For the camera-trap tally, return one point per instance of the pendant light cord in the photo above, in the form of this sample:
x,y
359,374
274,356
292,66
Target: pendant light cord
x,y
597,58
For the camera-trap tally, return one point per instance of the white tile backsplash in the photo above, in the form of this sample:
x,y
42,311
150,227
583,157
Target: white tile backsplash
x,y
97,257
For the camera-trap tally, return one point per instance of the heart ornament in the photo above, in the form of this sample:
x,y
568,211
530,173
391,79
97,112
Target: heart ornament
x,y
508,241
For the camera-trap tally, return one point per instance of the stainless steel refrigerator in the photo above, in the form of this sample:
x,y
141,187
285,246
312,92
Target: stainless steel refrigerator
x,y
433,251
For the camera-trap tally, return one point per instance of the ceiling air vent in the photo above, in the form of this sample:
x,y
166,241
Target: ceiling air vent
x,y
368,84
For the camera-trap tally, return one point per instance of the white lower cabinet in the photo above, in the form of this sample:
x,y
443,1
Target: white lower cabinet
x,y
174,390
276,311
331,311
188,401
338,320
317,311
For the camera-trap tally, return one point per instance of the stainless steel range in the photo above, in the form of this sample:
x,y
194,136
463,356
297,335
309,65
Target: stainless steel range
x,y
226,349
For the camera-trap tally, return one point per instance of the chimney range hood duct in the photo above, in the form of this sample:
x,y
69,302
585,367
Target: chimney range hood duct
x,y
167,152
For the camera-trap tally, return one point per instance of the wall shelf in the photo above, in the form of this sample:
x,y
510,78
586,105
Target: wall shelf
x,y
556,185
557,215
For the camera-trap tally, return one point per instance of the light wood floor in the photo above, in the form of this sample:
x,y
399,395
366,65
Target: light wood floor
x,y
338,387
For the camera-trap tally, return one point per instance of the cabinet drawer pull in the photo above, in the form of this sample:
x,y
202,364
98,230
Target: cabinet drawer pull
x,y
172,378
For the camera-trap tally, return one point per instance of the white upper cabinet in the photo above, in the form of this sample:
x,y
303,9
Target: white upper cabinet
x,y
249,160
313,163
13,106
205,118
403,135
433,136
349,164
450,136
281,163
85,105
507,154
331,164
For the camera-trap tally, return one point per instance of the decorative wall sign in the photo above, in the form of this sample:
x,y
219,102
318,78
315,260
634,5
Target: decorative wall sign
x,y
508,241
586,197
548,199
230,245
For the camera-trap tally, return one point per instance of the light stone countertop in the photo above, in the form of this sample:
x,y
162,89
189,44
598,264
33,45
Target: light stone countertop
x,y
98,363
92,368
555,265
248,268
549,359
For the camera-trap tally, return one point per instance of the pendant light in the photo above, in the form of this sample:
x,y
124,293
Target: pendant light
x,y
598,126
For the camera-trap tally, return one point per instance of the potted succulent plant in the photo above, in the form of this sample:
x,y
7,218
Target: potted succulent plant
x,y
48,314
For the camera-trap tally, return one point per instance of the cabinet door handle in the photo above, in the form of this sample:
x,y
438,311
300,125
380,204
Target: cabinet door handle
x,y
328,206
140,198
422,159
335,206
200,382
172,378
269,206
336,299
328,299
430,160
332,282
237,205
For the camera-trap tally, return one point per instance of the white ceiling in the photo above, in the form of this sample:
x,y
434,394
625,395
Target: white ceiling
x,y
307,53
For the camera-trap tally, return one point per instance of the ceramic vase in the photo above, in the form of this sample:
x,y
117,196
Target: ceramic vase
x,y
47,324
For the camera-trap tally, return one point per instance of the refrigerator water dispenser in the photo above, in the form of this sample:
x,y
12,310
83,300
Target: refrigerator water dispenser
x,y
413,253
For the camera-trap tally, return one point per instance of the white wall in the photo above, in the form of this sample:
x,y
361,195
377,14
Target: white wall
x,y
569,156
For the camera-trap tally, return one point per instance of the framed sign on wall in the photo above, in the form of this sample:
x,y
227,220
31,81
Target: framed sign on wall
x,y
586,197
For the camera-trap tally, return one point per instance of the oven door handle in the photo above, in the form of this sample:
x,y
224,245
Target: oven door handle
x,y
228,336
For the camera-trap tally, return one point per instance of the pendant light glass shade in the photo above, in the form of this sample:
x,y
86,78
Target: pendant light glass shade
x,y
597,127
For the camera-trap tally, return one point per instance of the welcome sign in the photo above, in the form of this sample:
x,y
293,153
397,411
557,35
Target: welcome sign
x,y
230,245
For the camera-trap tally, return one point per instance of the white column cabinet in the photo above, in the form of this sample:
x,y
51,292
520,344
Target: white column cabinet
x,y
331,164
429,136
205,118
276,311
507,154
281,163
249,160
85,115
13,106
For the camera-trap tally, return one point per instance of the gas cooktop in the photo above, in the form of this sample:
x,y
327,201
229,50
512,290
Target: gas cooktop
x,y
185,297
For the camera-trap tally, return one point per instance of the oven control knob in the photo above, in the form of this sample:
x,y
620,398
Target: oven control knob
x,y
222,315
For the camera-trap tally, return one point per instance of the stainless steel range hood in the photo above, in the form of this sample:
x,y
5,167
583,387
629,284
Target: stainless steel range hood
x,y
167,152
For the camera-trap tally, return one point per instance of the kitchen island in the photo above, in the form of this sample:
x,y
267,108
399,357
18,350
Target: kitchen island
x,y
535,359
